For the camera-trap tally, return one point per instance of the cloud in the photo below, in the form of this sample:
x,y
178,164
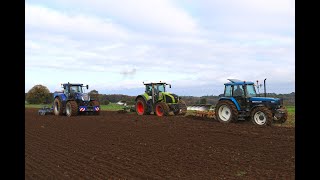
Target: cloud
x,y
114,46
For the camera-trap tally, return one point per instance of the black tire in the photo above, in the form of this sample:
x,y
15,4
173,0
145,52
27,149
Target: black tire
x,y
261,116
162,109
226,112
182,108
141,106
57,107
95,103
71,108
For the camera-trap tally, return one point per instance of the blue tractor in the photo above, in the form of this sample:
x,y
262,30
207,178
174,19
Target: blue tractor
x,y
240,101
73,101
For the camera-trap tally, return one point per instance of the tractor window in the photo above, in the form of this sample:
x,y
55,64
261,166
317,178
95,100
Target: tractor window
x,y
149,89
161,88
238,90
227,91
76,89
251,92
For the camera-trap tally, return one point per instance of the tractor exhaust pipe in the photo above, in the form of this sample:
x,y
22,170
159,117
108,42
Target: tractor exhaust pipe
x,y
264,85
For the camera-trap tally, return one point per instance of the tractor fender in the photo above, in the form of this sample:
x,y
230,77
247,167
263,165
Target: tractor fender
x,y
233,100
258,105
62,97
142,97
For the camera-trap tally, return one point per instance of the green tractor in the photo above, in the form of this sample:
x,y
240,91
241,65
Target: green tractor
x,y
159,102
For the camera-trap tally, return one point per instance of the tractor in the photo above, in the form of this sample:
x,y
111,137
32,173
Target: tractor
x,y
241,102
156,100
73,101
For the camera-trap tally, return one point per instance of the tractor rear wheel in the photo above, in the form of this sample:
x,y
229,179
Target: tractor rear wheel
x,y
141,106
182,108
261,116
162,109
57,107
71,108
95,103
226,112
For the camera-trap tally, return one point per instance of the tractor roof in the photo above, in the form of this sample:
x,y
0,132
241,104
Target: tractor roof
x,y
154,83
72,84
237,82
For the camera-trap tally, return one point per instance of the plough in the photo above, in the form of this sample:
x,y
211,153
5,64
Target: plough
x,y
202,110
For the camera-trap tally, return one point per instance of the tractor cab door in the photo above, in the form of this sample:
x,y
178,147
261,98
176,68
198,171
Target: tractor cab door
x,y
239,95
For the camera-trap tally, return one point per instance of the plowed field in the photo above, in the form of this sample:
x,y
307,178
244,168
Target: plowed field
x,y
128,146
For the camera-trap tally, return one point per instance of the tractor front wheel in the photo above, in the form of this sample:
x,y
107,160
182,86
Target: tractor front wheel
x,y
162,109
141,106
182,108
57,107
226,112
71,108
261,116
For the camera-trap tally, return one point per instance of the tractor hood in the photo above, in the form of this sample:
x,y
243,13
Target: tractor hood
x,y
82,96
169,97
266,99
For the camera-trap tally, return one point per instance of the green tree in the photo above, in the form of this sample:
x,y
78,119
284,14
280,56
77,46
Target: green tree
x,y
39,94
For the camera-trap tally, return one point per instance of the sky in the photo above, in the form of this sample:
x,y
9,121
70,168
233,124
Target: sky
x,y
115,46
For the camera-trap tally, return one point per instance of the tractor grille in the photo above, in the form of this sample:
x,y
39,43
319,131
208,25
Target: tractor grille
x,y
85,97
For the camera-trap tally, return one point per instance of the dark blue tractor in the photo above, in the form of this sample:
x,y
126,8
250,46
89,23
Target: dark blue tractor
x,y
241,102
73,101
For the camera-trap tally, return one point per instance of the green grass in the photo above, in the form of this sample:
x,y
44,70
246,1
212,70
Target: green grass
x,y
111,107
291,109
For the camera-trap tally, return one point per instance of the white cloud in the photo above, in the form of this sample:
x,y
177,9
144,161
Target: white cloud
x,y
101,47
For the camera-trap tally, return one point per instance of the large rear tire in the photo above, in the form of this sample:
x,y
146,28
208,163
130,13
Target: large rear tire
x,y
226,111
57,107
182,108
71,108
162,109
95,103
141,106
261,116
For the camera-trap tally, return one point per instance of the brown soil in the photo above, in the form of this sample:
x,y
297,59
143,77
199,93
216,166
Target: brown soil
x,y
127,146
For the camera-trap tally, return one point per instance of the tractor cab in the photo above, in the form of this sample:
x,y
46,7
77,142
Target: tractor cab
x,y
73,90
155,89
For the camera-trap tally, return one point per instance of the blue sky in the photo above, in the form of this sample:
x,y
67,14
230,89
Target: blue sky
x,y
195,45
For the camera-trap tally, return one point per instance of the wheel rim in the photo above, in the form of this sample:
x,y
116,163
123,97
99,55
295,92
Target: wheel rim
x,y
140,108
159,110
68,110
260,118
56,108
224,113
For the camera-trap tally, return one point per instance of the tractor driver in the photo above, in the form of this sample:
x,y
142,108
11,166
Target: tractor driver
x,y
238,91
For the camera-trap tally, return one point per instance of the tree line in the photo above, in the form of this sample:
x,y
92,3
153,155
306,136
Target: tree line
x,y
40,94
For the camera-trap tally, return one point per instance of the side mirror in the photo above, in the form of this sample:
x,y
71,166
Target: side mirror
x,y
87,86
169,85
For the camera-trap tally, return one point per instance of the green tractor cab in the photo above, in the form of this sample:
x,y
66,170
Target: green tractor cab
x,y
156,100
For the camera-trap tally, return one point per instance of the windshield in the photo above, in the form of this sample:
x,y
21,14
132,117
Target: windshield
x,y
251,91
77,89
160,87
